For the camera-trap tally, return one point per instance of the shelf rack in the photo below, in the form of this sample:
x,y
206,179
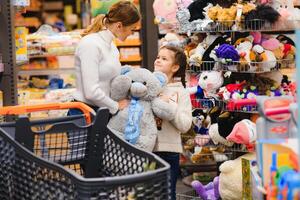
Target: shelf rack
x,y
237,66
41,72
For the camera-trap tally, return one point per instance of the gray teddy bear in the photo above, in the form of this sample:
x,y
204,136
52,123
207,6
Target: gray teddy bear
x,y
136,123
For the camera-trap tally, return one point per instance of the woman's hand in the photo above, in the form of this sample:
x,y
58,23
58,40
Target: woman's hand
x,y
123,104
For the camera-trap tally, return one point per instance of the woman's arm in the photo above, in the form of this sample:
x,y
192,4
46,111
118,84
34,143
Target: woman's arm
x,y
90,57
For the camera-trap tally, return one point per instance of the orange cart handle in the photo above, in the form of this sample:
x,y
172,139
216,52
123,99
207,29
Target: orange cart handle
x,y
22,109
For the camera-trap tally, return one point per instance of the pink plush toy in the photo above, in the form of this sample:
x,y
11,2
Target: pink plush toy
x,y
165,10
244,132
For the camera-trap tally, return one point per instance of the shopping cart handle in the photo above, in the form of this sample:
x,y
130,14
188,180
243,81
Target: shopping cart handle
x,y
277,111
22,109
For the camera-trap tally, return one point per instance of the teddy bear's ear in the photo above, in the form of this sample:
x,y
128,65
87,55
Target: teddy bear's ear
x,y
125,69
163,79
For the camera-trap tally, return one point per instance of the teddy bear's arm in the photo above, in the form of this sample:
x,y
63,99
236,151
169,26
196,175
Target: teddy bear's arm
x,y
120,87
183,116
163,109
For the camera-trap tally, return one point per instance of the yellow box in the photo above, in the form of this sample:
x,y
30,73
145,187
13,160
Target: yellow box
x,y
21,43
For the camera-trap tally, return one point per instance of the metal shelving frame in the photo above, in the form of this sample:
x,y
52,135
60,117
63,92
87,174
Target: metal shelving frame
x,y
7,49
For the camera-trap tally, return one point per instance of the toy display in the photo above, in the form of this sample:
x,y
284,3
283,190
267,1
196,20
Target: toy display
x,y
226,15
251,54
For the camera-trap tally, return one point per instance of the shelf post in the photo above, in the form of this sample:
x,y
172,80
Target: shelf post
x,y
8,51
149,34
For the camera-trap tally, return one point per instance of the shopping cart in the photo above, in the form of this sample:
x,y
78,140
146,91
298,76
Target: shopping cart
x,y
71,158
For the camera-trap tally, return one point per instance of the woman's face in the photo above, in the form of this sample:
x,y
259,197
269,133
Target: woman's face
x,y
122,32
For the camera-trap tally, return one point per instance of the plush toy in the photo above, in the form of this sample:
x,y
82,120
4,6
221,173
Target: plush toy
x,y
165,10
209,191
289,52
200,122
219,40
261,14
228,185
265,60
203,51
226,16
136,123
285,40
244,132
226,53
173,39
197,7
243,47
286,9
227,91
208,83
251,92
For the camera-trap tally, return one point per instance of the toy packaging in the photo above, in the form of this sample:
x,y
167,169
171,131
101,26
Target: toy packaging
x,y
21,43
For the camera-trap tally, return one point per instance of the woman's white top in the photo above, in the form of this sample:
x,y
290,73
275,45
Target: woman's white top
x,y
96,64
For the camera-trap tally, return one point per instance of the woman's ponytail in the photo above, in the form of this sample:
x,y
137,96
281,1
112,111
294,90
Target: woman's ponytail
x,y
122,11
96,26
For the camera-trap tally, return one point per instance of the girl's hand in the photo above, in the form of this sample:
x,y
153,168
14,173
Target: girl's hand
x,y
123,104
164,98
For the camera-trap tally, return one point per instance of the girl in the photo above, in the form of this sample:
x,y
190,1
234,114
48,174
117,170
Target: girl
x,y
97,58
172,61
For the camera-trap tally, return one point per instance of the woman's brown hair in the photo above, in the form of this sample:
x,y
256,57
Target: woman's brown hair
x,y
122,11
180,59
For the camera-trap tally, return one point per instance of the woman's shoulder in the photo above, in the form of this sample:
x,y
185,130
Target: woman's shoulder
x,y
90,39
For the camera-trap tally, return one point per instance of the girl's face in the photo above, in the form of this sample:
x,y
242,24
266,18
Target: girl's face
x,y
165,63
122,32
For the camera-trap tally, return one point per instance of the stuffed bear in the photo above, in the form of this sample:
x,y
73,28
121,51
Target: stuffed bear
x,y
136,123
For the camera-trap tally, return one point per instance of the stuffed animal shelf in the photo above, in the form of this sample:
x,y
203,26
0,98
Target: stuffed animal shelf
x,y
136,123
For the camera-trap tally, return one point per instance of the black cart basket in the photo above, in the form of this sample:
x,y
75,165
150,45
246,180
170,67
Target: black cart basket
x,y
69,158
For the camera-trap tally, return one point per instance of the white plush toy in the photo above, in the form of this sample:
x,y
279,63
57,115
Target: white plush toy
x,y
243,47
230,178
197,54
209,82
286,9
269,59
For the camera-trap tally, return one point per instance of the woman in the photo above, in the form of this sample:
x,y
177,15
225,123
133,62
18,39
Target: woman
x,y
97,58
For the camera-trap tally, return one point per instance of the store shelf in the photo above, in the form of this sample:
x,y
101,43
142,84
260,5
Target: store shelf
x,y
227,106
128,43
37,72
29,9
252,67
131,59
20,63
49,55
230,26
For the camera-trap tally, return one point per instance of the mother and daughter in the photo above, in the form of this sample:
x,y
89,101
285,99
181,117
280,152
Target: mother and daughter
x,y
97,64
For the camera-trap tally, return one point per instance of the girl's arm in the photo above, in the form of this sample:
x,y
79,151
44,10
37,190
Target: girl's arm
x,y
90,56
183,116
